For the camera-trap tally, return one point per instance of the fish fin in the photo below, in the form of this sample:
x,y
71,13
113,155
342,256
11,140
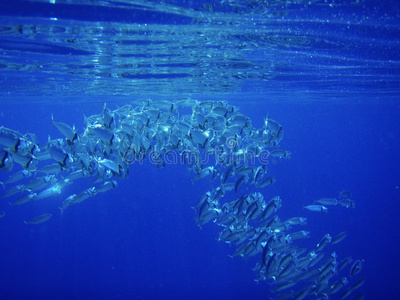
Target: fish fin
x,y
86,121
62,211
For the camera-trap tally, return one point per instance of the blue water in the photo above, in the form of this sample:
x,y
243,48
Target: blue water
x,y
141,240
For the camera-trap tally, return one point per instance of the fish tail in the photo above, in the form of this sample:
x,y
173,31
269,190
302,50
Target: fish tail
x,y
201,228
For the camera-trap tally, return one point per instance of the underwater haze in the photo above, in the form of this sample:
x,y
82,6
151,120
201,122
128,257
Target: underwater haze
x,y
98,97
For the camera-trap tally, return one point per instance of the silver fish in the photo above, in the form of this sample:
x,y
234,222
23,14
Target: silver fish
x,y
9,138
106,186
299,235
90,192
110,164
28,162
60,155
338,238
348,203
327,201
18,176
67,202
266,182
54,190
40,182
25,199
356,267
325,240
281,154
317,208
53,168
39,219
66,130
6,161
14,190
338,285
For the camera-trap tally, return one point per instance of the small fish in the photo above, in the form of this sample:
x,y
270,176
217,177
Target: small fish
x,y
297,221
356,267
338,285
2,214
6,161
28,161
266,182
348,203
54,190
324,241
53,168
345,262
110,164
9,138
165,104
340,237
281,154
299,235
108,117
60,155
358,284
67,202
345,194
105,135
187,103
327,201
274,128
65,129
90,192
204,173
318,208
24,199
241,180
199,137
18,176
40,182
39,219
107,185
14,190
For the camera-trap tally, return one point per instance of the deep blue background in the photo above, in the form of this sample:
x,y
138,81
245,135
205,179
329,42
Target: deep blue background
x,y
141,241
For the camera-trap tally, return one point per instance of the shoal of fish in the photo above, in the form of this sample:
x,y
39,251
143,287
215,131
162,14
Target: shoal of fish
x,y
215,141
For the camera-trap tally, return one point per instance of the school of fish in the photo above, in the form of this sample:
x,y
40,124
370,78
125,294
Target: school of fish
x,y
216,142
